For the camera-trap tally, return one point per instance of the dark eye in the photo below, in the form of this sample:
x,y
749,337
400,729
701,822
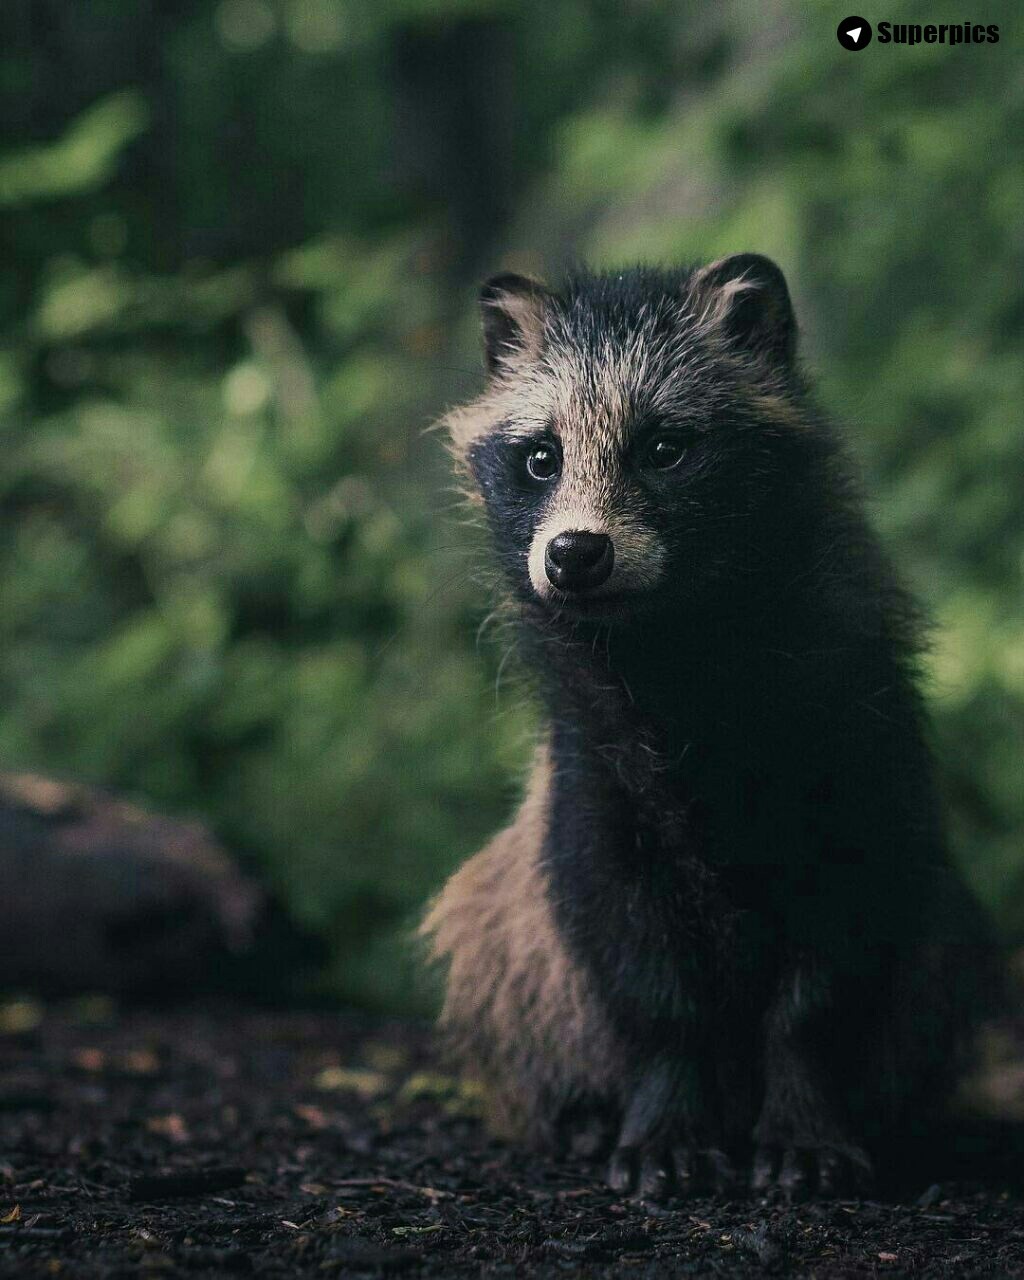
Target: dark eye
x,y
542,462
665,452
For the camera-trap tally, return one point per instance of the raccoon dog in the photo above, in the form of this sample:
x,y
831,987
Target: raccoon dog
x,y
722,932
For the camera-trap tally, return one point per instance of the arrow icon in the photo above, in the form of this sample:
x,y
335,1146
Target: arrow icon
x,y
854,33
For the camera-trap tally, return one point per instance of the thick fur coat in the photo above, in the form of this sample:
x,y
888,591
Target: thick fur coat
x,y
722,932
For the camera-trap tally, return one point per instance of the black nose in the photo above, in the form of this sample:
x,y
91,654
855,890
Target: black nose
x,y
576,561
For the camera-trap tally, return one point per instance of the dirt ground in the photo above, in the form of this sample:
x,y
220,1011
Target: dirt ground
x,y
221,1142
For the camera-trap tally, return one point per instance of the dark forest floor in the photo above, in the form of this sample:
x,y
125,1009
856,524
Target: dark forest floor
x,y
234,1142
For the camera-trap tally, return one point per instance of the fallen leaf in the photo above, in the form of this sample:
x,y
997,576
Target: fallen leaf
x,y
313,1116
141,1062
367,1084
89,1059
170,1126
428,1084
18,1016
457,1097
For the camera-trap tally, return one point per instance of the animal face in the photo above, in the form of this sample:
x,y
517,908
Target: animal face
x,y
625,447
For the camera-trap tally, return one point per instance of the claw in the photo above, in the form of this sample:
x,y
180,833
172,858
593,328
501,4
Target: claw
x,y
622,1169
656,1173
683,1166
763,1169
655,1181
830,1174
792,1179
797,1171
721,1175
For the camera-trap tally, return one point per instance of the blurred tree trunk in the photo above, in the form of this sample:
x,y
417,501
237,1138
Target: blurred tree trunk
x,y
455,127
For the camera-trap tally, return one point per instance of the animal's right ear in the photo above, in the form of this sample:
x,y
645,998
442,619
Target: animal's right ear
x,y
512,309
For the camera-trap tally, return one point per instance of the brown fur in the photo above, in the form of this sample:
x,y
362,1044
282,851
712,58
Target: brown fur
x,y
532,386
519,1012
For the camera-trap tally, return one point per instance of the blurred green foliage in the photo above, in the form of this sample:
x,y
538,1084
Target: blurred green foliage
x,y
241,239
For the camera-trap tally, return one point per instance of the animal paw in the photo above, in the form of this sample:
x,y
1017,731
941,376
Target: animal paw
x,y
655,1173
797,1172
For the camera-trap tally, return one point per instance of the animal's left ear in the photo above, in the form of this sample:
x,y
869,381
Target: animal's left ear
x,y
746,297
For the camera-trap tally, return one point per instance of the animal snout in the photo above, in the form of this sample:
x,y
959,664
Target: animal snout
x,y
578,561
